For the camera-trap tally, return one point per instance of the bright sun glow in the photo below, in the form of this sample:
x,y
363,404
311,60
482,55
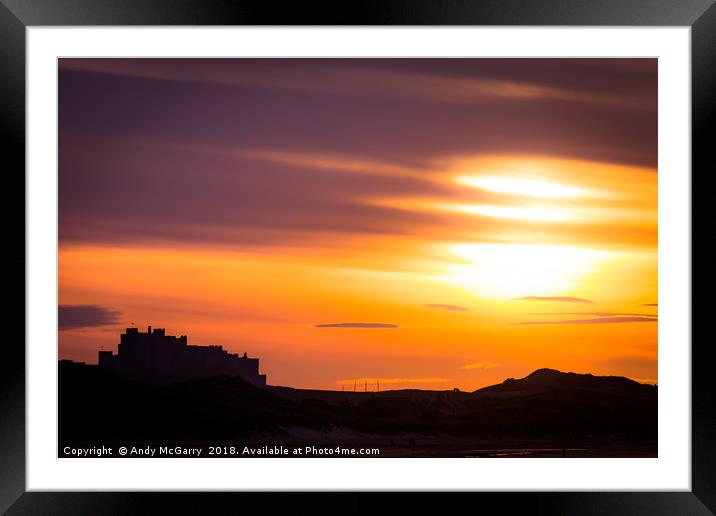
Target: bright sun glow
x,y
513,212
289,212
505,271
523,187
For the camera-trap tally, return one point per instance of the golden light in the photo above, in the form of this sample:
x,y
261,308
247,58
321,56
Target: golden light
x,y
522,187
539,214
505,271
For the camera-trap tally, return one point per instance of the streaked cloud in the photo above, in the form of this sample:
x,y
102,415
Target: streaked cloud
x,y
363,78
556,299
217,152
439,306
523,187
72,317
358,325
512,212
600,320
650,304
239,190
480,365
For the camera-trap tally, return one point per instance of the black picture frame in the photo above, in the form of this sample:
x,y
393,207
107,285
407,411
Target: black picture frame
x,y
17,15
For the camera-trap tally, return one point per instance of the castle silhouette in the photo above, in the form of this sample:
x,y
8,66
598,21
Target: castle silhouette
x,y
154,357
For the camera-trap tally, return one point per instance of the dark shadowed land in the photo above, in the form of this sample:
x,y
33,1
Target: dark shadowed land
x,y
546,414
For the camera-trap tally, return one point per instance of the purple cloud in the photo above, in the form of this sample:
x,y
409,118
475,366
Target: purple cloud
x,y
119,182
71,317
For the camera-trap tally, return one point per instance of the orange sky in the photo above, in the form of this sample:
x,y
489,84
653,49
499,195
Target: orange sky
x,y
454,268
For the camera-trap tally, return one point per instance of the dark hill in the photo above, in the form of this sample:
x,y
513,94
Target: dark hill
x,y
553,403
551,379
96,404
547,404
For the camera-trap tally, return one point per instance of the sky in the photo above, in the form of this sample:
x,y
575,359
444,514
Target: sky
x,y
424,223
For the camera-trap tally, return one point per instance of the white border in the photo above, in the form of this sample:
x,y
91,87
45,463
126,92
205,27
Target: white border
x,y
670,471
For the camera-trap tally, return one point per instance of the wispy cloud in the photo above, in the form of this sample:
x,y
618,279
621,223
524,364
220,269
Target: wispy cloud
x,y
558,299
480,365
359,79
650,304
599,320
357,325
289,184
455,308
72,317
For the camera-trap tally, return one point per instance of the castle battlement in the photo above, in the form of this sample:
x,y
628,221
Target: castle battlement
x,y
155,357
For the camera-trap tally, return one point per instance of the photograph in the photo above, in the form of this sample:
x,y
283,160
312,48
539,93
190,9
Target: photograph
x,y
263,246
357,257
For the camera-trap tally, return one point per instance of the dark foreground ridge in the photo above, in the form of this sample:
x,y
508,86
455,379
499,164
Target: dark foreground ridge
x,y
547,406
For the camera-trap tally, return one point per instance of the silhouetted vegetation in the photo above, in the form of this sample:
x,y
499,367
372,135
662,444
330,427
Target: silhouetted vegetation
x,y
548,404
